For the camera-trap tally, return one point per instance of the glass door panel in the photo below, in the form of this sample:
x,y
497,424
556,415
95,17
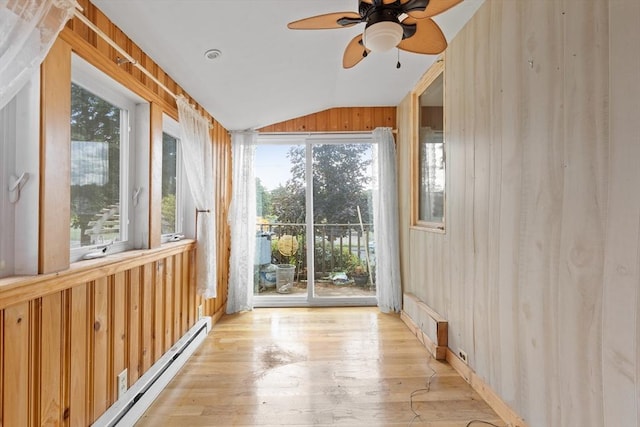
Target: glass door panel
x,y
281,261
315,242
343,235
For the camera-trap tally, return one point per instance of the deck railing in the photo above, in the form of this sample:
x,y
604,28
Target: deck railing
x,y
337,247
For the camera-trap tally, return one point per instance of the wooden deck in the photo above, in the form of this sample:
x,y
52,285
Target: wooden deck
x,y
315,366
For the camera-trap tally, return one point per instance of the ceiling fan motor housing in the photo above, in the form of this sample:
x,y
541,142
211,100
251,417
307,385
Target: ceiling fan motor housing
x,y
382,14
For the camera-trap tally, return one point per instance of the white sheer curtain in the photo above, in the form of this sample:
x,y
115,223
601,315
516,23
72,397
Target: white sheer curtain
x,y
28,28
385,221
242,220
198,166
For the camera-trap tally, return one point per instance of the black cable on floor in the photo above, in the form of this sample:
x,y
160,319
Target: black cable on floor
x,y
416,415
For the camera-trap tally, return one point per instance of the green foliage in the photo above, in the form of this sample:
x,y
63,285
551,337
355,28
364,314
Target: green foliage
x,y
339,182
169,164
336,258
340,178
94,119
288,203
168,224
264,205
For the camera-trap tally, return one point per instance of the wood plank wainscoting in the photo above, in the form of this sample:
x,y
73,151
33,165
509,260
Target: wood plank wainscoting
x,y
66,336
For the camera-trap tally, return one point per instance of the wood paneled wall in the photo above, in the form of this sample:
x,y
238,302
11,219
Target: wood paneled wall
x,y
67,336
538,272
347,119
92,48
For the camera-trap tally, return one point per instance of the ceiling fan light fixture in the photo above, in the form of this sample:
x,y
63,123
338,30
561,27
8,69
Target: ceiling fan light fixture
x,y
382,36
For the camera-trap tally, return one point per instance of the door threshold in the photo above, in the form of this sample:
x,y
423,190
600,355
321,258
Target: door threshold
x,y
284,301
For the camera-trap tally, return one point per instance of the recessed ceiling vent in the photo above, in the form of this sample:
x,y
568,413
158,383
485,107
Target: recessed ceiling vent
x,y
213,54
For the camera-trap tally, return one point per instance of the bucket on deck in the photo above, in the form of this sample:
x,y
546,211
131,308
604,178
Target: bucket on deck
x,y
284,277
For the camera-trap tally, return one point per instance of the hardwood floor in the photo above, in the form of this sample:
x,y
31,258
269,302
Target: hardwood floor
x,y
315,366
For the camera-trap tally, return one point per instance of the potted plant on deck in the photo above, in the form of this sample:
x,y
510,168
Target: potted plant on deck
x,y
359,275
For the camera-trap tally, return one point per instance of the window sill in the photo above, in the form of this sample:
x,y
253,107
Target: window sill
x,y
428,229
16,289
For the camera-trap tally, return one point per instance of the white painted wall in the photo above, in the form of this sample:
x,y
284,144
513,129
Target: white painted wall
x,y
539,270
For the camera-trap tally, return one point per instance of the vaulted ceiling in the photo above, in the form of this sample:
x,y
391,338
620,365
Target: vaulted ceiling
x,y
267,73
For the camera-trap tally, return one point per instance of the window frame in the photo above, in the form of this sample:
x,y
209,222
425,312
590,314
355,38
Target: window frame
x,y
100,84
433,73
171,127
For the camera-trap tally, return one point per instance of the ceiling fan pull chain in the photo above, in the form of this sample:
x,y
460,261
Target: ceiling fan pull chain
x,y
398,64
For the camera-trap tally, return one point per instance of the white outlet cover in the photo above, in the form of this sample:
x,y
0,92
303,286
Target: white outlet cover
x,y
122,383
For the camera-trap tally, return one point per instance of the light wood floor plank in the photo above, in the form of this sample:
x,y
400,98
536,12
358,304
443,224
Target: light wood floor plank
x,y
315,366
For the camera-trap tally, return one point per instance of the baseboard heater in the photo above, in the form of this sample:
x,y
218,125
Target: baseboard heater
x,y
428,326
130,407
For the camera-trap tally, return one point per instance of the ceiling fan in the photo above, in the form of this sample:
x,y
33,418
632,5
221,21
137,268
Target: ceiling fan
x,y
405,24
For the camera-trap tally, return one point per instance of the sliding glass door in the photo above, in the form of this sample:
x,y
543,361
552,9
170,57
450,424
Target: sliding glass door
x,y
315,239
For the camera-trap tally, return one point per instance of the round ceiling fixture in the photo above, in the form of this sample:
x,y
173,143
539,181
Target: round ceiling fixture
x,y
212,54
382,36
383,30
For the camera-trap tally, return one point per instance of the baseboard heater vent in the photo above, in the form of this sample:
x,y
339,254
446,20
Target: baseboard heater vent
x,y
428,326
127,410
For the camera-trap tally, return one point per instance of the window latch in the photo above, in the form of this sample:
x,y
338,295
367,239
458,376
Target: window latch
x,y
18,183
99,252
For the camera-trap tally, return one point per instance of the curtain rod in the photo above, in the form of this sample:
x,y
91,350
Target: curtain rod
x,y
78,14
128,58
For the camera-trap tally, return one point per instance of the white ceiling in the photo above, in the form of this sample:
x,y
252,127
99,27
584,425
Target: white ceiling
x,y
268,73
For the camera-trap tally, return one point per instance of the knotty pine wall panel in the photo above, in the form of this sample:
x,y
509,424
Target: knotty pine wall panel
x,y
134,325
147,315
78,326
51,353
346,119
100,347
16,365
55,159
61,353
91,47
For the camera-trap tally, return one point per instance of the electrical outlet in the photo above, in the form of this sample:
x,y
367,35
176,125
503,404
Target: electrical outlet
x,y
122,383
200,312
463,356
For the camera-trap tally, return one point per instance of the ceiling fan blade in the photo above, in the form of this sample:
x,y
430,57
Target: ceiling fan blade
x,y
434,8
414,5
355,52
325,22
428,38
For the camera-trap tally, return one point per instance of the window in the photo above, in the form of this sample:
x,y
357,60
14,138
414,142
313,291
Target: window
x,y
98,136
19,189
102,154
172,181
428,203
